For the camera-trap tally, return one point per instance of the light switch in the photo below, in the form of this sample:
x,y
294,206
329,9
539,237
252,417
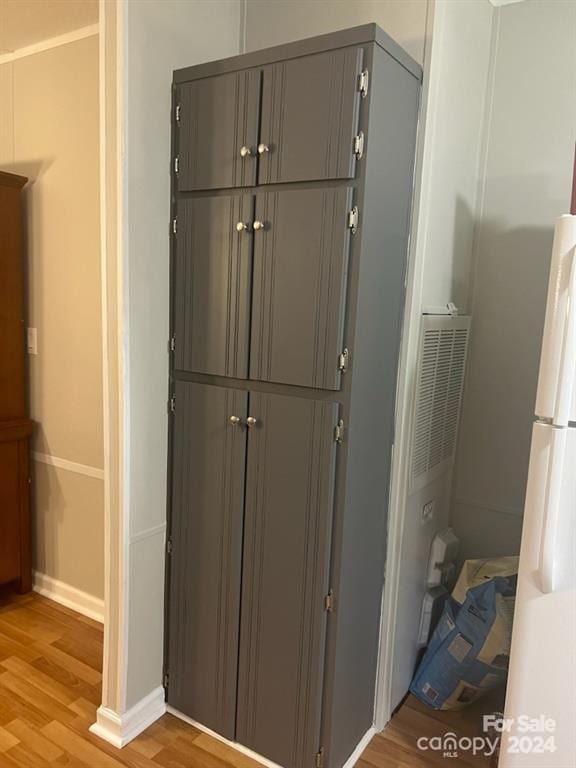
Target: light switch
x,y
32,341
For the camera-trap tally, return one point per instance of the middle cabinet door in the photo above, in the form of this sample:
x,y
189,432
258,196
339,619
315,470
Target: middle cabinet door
x,y
301,244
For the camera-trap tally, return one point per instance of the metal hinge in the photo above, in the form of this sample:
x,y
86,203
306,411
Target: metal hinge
x,y
363,83
329,602
175,225
339,432
343,360
166,680
176,164
169,546
358,149
320,758
353,220
172,344
172,404
177,113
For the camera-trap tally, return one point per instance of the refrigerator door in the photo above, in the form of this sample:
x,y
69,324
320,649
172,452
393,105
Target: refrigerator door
x,y
556,398
542,672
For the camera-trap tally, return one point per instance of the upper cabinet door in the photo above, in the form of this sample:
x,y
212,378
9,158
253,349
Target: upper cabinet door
x,y
218,131
310,117
299,286
212,276
288,516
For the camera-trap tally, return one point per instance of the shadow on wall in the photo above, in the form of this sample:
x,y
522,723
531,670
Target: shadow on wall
x,y
510,289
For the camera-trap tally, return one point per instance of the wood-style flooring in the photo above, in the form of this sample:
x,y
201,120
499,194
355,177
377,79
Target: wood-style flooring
x,y
50,685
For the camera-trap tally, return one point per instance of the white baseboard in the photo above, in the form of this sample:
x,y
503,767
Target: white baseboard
x,y
352,760
119,730
362,744
73,598
234,744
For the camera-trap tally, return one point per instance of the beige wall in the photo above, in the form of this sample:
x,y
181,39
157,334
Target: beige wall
x,y
271,22
51,135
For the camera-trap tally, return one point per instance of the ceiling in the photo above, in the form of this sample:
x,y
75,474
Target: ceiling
x,y
26,22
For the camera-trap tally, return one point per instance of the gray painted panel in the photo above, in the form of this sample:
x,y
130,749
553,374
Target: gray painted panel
x,y
310,117
289,496
300,272
218,116
207,520
212,281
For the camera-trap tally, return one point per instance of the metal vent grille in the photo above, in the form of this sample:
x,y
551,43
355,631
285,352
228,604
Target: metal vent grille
x,y
441,368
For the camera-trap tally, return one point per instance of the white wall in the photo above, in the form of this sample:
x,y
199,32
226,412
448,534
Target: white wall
x,y
271,22
528,174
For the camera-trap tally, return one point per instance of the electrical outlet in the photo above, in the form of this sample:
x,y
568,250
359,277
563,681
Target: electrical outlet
x,y
32,341
428,511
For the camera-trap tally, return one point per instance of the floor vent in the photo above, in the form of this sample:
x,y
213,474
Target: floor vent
x,y
440,382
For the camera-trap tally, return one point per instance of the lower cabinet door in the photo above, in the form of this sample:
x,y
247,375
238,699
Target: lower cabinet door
x,y
208,455
288,519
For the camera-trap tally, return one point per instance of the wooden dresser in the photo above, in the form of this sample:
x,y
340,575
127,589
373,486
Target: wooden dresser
x,y
15,426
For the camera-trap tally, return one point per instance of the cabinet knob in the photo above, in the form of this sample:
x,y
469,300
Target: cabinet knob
x,y
242,227
251,421
246,151
235,420
259,225
263,148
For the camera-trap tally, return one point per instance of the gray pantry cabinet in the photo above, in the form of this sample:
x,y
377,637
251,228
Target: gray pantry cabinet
x,y
291,193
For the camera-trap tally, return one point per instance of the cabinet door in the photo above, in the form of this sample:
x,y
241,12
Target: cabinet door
x,y
298,300
10,502
289,497
212,277
310,117
218,116
208,457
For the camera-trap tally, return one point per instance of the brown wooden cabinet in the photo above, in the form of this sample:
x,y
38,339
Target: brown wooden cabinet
x,y
15,427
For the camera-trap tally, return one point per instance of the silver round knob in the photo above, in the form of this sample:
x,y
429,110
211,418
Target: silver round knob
x,y
235,420
251,421
245,151
259,225
263,148
242,227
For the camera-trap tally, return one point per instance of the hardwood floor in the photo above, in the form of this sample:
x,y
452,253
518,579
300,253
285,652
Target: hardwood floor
x,y
50,685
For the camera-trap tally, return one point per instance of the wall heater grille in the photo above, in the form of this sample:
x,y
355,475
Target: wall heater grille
x,y
440,383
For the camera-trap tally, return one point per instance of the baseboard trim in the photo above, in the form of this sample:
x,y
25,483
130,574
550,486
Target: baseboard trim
x,y
73,598
119,730
362,744
234,744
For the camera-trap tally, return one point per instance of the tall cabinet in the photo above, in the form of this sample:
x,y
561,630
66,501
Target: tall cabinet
x,y
292,174
15,427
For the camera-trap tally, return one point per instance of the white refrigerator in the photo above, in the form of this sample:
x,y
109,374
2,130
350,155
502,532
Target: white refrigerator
x,y
540,711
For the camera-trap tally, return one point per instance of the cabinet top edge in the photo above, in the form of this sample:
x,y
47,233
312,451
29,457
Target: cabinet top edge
x,y
366,33
12,180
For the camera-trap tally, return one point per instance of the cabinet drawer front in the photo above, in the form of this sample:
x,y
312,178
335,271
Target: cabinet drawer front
x,y
299,294
212,281
206,530
288,518
218,116
310,117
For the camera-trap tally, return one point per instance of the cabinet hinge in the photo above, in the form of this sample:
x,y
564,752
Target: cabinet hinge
x,y
172,344
175,225
177,113
169,546
172,404
166,680
343,360
353,220
363,83
176,164
358,145
329,602
339,432
319,763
